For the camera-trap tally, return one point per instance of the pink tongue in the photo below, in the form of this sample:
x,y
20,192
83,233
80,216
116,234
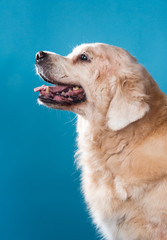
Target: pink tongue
x,y
43,87
52,88
55,89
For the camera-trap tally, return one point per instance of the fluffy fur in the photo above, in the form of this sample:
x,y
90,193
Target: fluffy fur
x,y
122,140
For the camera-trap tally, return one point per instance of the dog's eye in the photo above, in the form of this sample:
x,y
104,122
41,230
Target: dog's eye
x,y
83,57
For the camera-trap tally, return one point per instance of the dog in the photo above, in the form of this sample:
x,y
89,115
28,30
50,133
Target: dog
x,y
122,136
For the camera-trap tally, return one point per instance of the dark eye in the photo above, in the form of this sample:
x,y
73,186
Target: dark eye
x,y
83,57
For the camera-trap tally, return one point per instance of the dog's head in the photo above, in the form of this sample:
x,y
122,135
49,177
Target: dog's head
x,y
97,81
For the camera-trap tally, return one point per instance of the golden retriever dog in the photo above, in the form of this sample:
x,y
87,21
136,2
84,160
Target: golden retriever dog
x,y
122,136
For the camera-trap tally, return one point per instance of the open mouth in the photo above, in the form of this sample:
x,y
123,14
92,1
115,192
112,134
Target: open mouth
x,y
61,94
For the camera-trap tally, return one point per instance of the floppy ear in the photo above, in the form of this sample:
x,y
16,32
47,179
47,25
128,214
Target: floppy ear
x,y
128,104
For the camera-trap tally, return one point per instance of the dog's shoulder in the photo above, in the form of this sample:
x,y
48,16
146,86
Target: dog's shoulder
x,y
149,159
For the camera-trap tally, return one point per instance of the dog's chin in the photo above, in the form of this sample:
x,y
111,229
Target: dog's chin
x,y
75,108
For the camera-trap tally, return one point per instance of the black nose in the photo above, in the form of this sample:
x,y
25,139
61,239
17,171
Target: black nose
x,y
40,56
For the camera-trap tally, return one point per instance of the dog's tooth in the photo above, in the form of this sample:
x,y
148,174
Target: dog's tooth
x,y
69,90
47,89
62,93
75,88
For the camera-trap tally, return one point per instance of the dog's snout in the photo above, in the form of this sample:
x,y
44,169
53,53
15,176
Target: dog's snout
x,y
40,56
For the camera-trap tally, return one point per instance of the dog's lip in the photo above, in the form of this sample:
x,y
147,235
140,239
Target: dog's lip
x,y
49,80
57,82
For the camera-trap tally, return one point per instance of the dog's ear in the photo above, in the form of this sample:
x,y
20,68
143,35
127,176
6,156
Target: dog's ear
x,y
129,102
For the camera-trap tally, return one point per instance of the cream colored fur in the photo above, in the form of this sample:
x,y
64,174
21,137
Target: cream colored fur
x,y
122,141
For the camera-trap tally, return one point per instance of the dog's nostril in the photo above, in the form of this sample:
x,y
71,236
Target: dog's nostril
x,y
40,55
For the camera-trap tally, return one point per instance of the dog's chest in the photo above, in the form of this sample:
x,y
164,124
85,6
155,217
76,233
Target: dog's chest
x,y
103,194
103,208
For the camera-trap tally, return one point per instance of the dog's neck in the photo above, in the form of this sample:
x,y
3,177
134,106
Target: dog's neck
x,y
100,147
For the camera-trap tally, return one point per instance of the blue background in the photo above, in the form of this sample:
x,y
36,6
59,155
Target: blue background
x,y
39,185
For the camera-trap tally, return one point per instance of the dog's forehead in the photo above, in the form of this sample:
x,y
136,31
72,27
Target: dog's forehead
x,y
103,50
85,48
